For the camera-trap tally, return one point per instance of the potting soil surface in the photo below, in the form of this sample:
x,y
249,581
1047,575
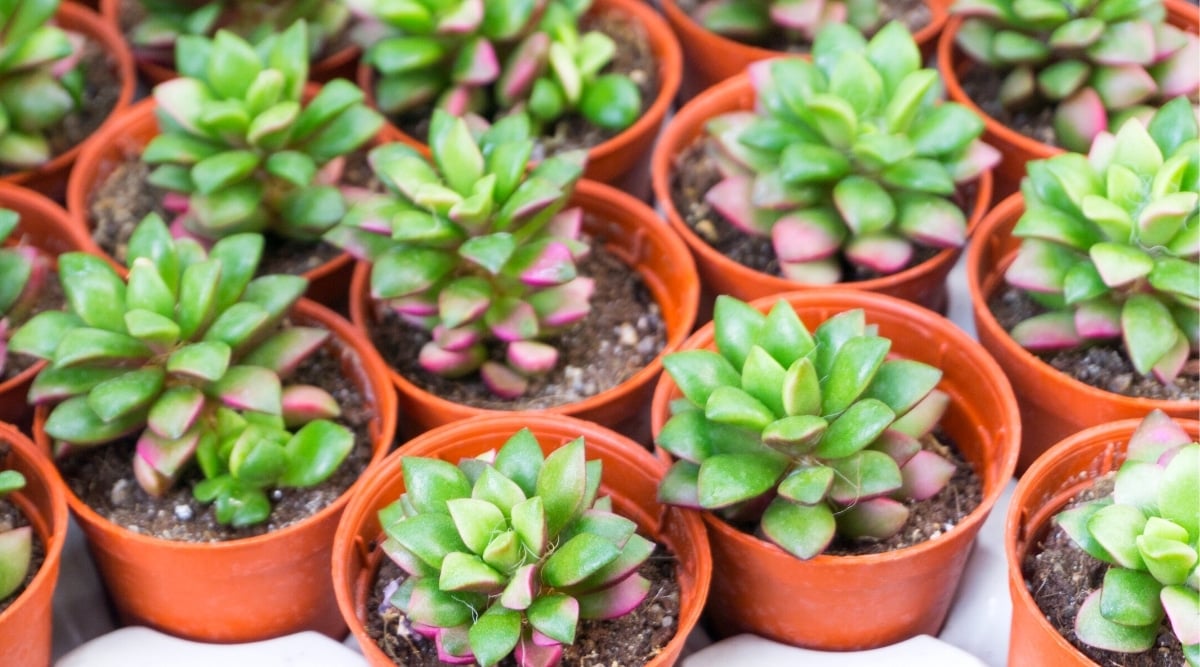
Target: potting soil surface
x,y
982,84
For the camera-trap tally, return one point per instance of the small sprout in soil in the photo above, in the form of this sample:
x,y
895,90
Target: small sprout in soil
x,y
811,435
753,21
23,272
849,157
239,151
1148,530
40,80
506,552
1096,64
16,544
475,248
1111,244
188,353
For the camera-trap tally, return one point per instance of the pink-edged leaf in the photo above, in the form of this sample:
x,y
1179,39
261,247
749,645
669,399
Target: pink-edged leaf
x,y
924,475
523,67
1171,364
818,272
978,158
924,416
732,199
1048,331
1156,434
446,656
531,357
1122,86
477,64
456,340
1167,40
250,388
540,639
567,224
1124,43
1120,264
900,446
463,300
512,320
797,14
616,600
157,462
448,363
466,17
932,221
565,304
421,305
183,100
1093,628
805,236
1182,606
1098,319
1178,74
284,351
530,654
877,518
1038,267
303,403
502,380
883,253
427,631
553,267
176,202
1079,118
175,411
518,594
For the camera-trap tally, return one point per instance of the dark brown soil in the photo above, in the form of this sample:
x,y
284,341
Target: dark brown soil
x,y
982,85
694,174
10,518
623,333
119,203
633,58
51,297
102,87
628,641
102,476
914,14
1060,576
1103,365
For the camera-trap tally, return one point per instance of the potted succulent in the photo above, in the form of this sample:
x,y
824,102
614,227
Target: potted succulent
x,y
554,522
810,450
557,60
475,263
151,27
845,168
744,32
33,514
1100,538
1048,76
165,397
236,144
33,230
1084,288
67,77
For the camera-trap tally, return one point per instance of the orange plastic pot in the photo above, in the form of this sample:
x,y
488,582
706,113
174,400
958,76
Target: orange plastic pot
x,y
1015,148
631,231
923,284
1051,482
46,226
25,632
339,64
1053,404
247,589
51,178
127,137
711,58
622,160
847,603
630,476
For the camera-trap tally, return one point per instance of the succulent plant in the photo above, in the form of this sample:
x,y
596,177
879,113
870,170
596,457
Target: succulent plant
x,y
756,20
22,274
812,435
1095,62
849,157
1110,244
1148,530
16,544
240,152
40,80
187,354
165,21
506,552
474,248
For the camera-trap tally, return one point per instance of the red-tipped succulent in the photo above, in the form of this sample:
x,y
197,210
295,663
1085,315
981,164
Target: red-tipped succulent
x,y
475,249
23,272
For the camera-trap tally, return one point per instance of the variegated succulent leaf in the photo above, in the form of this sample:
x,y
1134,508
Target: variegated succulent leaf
x,y
1147,531
1088,62
506,552
23,274
848,157
1111,243
239,149
16,544
41,81
188,341
762,21
811,433
476,248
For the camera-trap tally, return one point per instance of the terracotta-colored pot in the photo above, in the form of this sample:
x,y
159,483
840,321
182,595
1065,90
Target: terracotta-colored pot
x,y
51,178
339,64
46,226
635,234
1015,148
923,284
622,160
1050,483
247,589
127,137
1053,404
711,58
843,603
25,624
630,476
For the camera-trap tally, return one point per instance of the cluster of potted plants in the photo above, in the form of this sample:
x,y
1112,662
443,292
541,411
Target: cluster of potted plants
x,y
483,462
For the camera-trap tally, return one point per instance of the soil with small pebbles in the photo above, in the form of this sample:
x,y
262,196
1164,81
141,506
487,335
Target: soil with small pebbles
x,y
982,85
